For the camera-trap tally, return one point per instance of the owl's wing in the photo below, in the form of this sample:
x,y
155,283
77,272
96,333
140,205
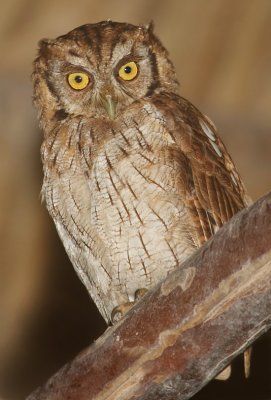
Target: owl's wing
x,y
213,190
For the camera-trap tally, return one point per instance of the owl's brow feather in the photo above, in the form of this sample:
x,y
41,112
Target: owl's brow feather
x,y
92,42
73,53
96,38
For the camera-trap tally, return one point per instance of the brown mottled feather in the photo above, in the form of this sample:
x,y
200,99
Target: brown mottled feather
x,y
212,197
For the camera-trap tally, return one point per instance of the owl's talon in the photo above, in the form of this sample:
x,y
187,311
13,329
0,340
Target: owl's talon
x,y
139,293
120,310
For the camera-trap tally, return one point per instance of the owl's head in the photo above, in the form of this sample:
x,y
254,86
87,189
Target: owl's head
x,y
97,70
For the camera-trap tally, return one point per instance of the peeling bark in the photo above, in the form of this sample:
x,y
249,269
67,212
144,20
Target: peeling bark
x,y
188,329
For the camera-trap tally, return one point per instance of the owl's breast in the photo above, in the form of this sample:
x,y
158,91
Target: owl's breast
x,y
116,200
136,204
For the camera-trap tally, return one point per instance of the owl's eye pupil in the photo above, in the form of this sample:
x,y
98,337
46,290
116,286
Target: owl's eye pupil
x,y
128,69
78,79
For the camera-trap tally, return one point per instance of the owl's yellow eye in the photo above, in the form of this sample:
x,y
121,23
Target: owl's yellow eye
x,y
128,71
78,80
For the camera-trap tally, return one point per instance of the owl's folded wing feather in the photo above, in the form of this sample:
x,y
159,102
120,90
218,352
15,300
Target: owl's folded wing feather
x,y
214,191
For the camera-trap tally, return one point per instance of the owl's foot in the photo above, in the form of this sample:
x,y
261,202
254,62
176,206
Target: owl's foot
x,y
139,293
122,309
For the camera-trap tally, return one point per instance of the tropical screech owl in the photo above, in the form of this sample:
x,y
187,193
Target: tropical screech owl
x,y
135,177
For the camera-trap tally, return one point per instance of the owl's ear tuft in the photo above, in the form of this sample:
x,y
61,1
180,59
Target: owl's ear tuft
x,y
150,27
44,46
45,42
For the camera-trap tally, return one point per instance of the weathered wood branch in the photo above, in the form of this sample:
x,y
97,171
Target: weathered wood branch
x,y
188,328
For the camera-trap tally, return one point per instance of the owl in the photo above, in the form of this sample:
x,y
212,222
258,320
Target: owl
x,y
135,177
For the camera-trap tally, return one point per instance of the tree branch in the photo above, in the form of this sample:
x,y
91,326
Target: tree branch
x,y
185,331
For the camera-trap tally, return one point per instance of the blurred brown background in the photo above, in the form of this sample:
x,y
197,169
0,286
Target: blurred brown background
x,y
222,52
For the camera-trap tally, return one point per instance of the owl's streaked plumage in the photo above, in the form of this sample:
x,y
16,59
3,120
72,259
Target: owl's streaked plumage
x,y
135,177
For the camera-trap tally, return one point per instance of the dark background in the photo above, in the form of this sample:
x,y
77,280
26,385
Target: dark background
x,y
222,52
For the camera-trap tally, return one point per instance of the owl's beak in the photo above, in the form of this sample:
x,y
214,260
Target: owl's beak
x,y
110,105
